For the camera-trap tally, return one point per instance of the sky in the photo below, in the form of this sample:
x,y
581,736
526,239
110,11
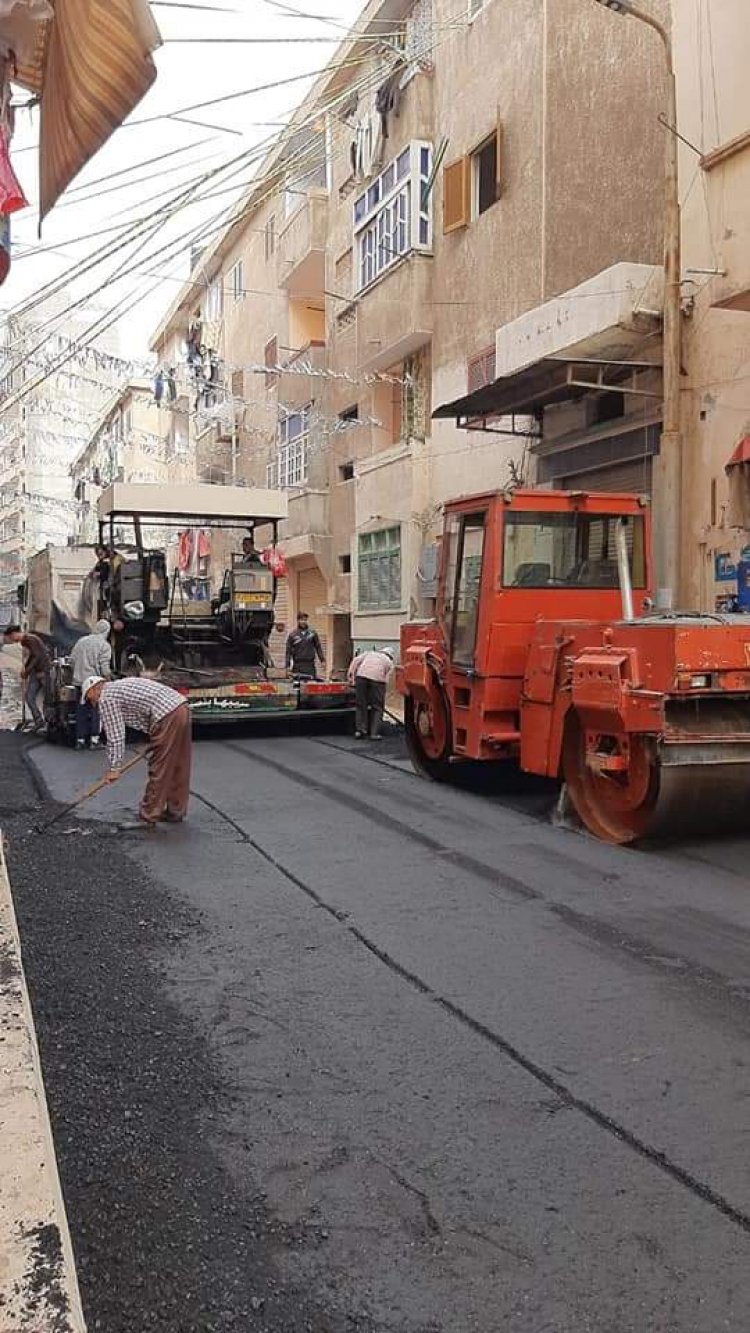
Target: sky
x,y
202,57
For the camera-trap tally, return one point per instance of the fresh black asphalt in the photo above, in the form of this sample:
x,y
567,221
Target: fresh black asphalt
x,y
349,1051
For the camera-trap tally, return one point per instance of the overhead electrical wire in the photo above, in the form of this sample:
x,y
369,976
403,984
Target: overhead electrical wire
x,y
227,225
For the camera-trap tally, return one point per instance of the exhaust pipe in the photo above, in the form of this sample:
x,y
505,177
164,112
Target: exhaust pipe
x,y
623,570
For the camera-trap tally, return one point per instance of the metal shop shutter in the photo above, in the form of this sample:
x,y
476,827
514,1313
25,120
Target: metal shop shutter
x,y
634,475
312,592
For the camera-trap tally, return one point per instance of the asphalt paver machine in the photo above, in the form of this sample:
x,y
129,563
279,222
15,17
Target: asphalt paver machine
x,y
213,649
546,651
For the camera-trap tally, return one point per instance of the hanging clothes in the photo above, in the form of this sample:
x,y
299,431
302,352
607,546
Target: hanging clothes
x,y
388,97
204,545
171,384
184,550
4,248
159,387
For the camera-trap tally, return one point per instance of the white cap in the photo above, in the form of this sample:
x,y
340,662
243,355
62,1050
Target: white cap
x,y
102,627
89,684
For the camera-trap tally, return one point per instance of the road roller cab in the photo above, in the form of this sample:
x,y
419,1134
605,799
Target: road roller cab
x,y
545,650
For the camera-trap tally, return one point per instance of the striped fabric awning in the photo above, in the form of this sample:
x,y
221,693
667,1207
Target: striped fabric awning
x,y
92,65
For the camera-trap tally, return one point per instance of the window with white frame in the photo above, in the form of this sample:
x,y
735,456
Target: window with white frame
x,y
379,570
394,214
237,281
289,468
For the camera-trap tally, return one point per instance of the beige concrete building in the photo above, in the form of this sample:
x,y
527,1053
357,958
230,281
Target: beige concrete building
x,y
449,173
712,52
125,444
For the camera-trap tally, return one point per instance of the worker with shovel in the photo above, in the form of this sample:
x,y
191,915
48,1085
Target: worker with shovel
x,y
163,714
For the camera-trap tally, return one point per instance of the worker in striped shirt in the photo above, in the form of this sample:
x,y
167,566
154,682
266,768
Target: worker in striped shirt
x,y
163,714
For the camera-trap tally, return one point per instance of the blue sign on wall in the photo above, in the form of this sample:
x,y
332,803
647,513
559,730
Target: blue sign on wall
x,y
725,569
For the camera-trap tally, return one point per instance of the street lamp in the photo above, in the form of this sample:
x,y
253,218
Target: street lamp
x,y
668,531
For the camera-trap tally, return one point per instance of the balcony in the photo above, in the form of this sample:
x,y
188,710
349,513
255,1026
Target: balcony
x,y
301,263
298,383
305,532
395,317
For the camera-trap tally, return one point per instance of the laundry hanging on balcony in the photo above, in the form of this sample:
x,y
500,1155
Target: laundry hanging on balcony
x,y
388,97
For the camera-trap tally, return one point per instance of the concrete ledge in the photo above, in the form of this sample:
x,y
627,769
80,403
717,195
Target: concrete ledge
x,y
38,1284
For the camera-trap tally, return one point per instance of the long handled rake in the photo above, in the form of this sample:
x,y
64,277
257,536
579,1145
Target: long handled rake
x,y
86,795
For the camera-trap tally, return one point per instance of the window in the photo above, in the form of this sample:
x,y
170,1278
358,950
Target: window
x,y
394,214
346,472
472,184
484,176
290,466
465,605
270,359
549,550
345,564
237,281
379,570
270,236
481,370
607,407
348,417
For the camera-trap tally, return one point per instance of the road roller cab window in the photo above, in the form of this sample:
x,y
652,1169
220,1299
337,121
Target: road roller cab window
x,y
553,550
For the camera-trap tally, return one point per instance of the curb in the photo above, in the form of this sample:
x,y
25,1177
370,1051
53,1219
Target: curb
x,y
38,1282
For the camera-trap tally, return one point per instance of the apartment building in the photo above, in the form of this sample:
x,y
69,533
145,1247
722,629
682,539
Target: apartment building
x,y
49,398
126,443
452,170
712,50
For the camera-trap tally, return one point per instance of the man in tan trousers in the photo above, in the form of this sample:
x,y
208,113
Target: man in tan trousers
x,y
163,714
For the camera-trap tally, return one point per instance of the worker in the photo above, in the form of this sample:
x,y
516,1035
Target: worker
x,y
249,554
163,714
368,673
90,656
302,648
35,670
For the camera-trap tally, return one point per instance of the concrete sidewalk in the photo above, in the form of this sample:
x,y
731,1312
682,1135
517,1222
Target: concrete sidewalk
x,y
38,1284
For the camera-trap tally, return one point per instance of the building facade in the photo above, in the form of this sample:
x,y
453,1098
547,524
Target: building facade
x,y
438,183
714,118
50,391
126,443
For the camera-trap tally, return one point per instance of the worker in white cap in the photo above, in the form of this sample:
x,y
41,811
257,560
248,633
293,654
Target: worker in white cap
x,y
163,714
368,673
90,656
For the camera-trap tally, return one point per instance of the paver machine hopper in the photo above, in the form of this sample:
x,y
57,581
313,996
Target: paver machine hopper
x,y
546,650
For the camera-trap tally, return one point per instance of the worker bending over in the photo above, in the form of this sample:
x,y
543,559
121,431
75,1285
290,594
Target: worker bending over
x,y
368,673
90,656
164,716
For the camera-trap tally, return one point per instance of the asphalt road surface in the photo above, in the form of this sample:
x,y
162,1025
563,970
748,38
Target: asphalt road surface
x,y
350,1051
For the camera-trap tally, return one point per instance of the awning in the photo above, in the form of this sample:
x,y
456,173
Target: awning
x,y
92,64
524,393
741,454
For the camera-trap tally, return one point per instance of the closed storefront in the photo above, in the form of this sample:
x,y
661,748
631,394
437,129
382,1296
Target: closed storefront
x,y
621,461
632,476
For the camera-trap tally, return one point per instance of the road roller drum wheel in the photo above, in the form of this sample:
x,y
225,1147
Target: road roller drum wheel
x,y
428,735
616,806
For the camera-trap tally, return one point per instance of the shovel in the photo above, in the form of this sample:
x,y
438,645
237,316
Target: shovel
x,y
86,796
